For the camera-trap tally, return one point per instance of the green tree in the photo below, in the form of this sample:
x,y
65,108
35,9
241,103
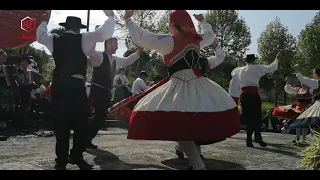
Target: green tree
x,y
147,19
231,31
309,46
274,38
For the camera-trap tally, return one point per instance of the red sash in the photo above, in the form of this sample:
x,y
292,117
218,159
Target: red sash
x,y
249,90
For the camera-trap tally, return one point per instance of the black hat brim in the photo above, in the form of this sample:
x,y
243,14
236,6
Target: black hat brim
x,y
81,26
22,59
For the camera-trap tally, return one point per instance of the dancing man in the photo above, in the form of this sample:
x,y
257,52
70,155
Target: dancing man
x,y
249,77
70,102
185,106
102,81
139,84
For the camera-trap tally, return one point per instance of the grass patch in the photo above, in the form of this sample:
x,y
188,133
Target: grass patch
x,y
266,106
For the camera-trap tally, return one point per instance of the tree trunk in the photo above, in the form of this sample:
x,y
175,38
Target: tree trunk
x,y
276,94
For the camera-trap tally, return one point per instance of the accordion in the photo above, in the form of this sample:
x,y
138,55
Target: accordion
x,y
12,76
30,78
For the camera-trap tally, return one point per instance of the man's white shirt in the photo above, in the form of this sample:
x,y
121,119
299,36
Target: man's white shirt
x,y
138,86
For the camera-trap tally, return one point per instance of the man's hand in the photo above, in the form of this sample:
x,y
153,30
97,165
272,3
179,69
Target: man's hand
x,y
215,44
109,13
128,14
296,68
199,17
279,53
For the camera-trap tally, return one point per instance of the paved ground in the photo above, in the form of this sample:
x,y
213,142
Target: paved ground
x,y
117,153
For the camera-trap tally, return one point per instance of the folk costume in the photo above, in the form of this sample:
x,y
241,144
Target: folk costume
x,y
234,90
310,118
185,106
69,99
249,77
304,99
101,85
121,83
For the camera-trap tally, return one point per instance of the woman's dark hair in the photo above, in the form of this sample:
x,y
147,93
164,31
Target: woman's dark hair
x,y
317,70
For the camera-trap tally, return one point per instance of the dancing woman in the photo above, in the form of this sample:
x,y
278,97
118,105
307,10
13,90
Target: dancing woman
x,y
303,94
185,107
310,118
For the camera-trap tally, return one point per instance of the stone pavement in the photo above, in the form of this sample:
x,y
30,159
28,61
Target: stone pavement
x,y
116,152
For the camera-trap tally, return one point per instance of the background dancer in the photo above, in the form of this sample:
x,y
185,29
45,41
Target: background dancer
x,y
102,81
70,102
310,118
139,84
303,94
249,77
185,106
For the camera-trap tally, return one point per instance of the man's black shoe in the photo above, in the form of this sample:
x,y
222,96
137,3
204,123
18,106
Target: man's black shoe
x,y
249,144
92,146
60,167
81,163
180,154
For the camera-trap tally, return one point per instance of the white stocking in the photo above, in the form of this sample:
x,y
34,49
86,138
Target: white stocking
x,y
190,149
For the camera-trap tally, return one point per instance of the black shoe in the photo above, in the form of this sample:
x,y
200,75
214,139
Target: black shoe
x,y
189,168
249,144
92,146
262,143
60,167
295,140
180,154
81,163
201,155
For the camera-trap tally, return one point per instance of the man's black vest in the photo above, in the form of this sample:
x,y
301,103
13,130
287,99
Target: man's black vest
x,y
104,74
68,55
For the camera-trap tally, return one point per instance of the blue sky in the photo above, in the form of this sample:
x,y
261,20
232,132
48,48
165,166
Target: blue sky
x,y
257,20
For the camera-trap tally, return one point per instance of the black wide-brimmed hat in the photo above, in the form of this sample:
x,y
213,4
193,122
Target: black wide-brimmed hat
x,y
27,58
73,22
250,58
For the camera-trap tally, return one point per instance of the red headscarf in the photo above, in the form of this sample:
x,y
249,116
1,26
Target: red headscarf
x,y
183,19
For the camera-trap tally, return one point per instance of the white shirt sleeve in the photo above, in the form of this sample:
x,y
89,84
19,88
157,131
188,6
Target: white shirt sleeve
x,y
265,69
312,83
206,34
43,37
126,61
290,90
162,43
216,60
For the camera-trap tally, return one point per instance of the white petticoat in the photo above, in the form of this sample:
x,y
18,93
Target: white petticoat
x,y
185,92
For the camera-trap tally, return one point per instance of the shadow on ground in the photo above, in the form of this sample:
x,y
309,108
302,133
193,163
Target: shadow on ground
x,y
283,149
109,161
211,164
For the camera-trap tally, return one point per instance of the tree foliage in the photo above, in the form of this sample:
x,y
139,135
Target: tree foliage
x,y
274,38
231,31
309,46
